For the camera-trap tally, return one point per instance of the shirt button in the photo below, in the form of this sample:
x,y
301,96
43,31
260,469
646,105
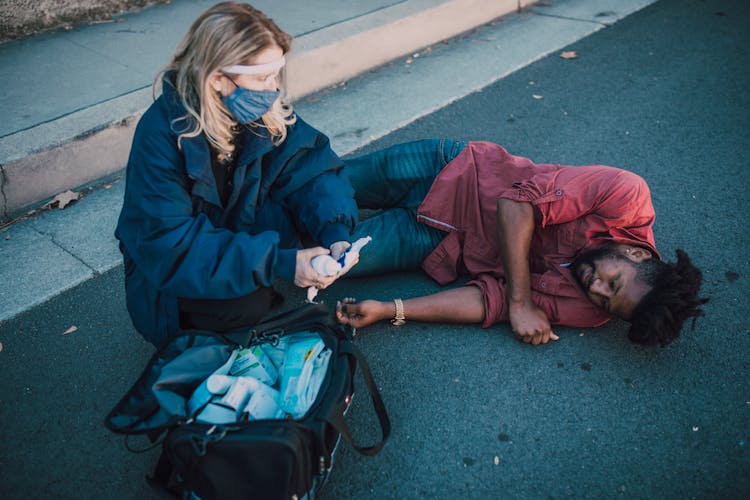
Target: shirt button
x,y
558,192
543,284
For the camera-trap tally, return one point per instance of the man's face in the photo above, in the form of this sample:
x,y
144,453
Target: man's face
x,y
609,276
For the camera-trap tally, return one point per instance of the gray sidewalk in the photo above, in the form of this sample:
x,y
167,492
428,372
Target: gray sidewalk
x,y
56,250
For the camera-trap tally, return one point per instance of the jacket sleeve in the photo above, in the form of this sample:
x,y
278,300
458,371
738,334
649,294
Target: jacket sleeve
x,y
325,207
561,309
315,188
183,254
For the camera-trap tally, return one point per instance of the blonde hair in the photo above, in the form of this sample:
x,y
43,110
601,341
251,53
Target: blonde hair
x,y
228,33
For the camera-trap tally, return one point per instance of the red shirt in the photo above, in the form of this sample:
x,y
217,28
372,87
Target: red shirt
x,y
575,208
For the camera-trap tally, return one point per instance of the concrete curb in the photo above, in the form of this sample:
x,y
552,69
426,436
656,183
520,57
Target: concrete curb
x,y
65,153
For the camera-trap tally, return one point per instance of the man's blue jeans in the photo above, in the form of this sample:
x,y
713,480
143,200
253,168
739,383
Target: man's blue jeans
x,y
394,181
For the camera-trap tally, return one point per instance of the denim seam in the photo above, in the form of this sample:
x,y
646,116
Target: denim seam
x,y
443,159
456,148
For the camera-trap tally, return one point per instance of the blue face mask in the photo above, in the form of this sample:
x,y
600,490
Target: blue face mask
x,y
248,105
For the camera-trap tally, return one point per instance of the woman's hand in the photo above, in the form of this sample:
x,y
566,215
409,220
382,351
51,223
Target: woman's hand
x,y
358,315
304,274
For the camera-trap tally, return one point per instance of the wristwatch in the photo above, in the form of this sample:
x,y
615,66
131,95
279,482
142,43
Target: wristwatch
x,y
399,319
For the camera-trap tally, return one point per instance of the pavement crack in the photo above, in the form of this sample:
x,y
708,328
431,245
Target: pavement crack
x,y
576,19
103,54
2,194
66,250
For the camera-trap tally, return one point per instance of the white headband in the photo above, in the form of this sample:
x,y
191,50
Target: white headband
x,y
256,69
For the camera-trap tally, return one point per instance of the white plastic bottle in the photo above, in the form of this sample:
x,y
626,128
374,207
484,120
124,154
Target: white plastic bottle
x,y
325,265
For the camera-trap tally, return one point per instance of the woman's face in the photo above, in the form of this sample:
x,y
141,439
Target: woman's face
x,y
223,84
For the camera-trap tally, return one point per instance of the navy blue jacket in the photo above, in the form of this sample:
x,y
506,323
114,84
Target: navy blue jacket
x,y
177,239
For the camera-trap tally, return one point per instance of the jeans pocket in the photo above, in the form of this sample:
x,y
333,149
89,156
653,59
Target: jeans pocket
x,y
449,149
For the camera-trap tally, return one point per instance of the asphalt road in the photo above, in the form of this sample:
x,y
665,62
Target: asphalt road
x,y
476,414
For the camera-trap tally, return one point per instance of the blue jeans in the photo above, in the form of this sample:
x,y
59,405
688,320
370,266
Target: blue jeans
x,y
394,181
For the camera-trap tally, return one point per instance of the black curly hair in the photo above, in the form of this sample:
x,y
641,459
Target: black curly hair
x,y
673,298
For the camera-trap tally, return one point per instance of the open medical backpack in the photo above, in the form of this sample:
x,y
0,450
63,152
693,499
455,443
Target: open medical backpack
x,y
281,458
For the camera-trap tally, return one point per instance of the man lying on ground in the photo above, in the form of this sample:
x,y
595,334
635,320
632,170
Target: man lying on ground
x,y
543,244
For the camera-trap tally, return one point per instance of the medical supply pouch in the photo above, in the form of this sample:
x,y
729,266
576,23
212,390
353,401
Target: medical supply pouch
x,y
251,414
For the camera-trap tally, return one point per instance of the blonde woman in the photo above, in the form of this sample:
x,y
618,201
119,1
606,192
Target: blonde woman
x,y
224,183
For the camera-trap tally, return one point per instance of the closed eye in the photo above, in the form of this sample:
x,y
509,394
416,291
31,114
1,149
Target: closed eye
x,y
615,285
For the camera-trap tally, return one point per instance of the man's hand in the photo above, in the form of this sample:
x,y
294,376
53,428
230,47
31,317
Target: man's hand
x,y
358,315
515,227
530,324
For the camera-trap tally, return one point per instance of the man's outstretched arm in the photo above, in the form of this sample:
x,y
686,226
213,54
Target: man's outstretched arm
x,y
515,226
458,305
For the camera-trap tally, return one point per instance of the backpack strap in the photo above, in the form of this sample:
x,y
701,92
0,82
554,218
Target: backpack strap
x,y
163,479
338,421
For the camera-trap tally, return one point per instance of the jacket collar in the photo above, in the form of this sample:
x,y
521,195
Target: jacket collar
x,y
253,143
194,149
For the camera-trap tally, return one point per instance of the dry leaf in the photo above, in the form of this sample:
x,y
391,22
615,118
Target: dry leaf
x,y
64,199
569,54
70,330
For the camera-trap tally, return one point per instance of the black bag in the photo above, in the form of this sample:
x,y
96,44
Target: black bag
x,y
284,458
